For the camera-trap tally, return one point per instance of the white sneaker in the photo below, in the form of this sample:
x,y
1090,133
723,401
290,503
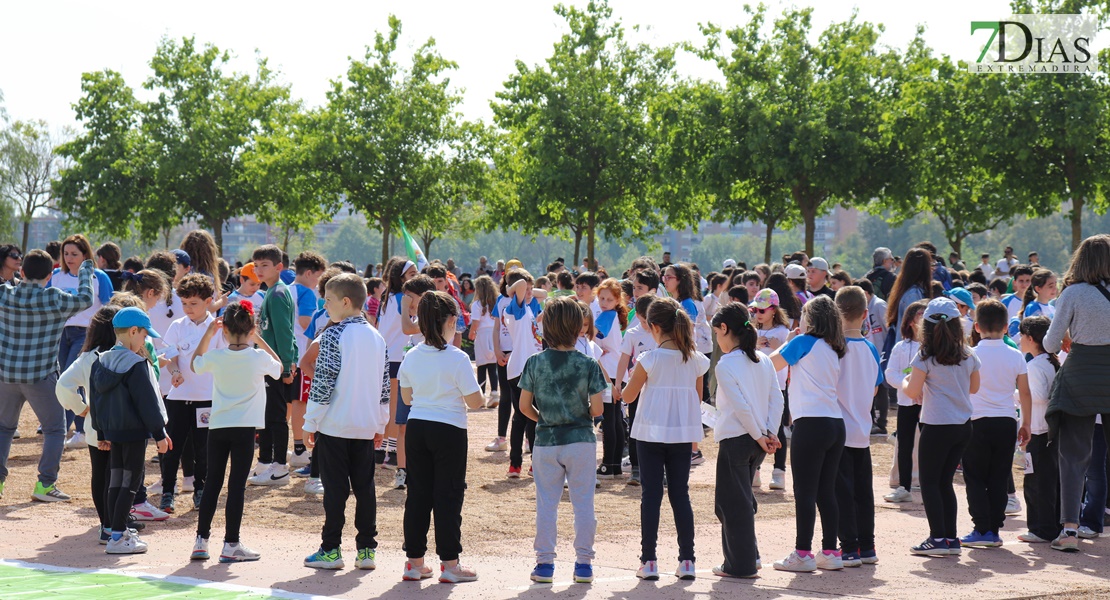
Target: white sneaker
x,y
148,512
796,563
200,549
778,479
648,570
238,553
299,460
757,481
155,489
76,442
686,570
899,495
128,544
1087,533
314,486
1013,505
829,560
499,444
275,475
187,484
259,468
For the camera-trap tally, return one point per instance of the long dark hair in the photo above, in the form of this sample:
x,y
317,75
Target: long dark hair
x,y
101,335
736,318
917,270
686,288
787,300
394,281
1039,279
912,311
823,321
1035,328
943,341
669,316
435,309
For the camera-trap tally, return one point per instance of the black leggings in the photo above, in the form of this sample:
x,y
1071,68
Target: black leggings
x,y
942,447
273,442
856,499
491,370
237,445
522,427
988,462
908,417
126,460
437,484
181,427
504,409
780,454
672,460
613,436
815,464
100,471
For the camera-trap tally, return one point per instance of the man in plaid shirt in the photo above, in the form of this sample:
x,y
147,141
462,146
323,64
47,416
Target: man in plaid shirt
x,y
31,320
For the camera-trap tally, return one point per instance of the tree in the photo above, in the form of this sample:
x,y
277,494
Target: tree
x,y
28,165
578,148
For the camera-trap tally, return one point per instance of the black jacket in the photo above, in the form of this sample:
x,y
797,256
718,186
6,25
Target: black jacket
x,y
882,281
124,398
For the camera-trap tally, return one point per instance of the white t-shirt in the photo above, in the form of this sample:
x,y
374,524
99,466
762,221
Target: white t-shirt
x,y
1041,375
1002,269
636,341
504,337
102,293
479,318
609,340
590,348
898,367
855,390
814,373
521,321
439,379
239,385
255,299
670,406
780,333
1000,367
389,325
749,400
161,316
181,340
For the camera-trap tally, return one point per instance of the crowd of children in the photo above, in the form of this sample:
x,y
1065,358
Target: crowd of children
x,y
796,355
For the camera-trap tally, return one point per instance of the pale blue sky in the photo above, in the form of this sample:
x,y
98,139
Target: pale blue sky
x,y
45,46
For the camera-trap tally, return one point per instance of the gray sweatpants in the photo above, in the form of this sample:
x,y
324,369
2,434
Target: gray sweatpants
x,y
551,466
1074,437
40,395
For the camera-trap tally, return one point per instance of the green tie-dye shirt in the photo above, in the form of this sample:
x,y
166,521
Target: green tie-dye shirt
x,y
561,382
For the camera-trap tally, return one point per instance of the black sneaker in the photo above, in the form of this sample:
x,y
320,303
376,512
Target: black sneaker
x,y
379,456
166,504
156,459
133,524
390,461
607,472
931,547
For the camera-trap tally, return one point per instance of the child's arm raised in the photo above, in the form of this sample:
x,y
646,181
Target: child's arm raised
x,y
206,339
261,343
635,384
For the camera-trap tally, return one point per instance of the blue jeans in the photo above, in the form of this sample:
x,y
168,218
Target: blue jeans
x,y
1094,500
69,348
40,395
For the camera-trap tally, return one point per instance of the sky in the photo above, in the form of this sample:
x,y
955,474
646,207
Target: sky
x,y
46,46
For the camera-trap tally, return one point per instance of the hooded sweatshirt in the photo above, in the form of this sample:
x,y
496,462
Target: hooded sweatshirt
x,y
125,404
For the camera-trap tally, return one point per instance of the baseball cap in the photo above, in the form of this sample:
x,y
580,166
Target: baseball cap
x,y
248,272
765,298
960,296
728,263
795,272
134,317
182,258
819,263
880,254
940,310
514,264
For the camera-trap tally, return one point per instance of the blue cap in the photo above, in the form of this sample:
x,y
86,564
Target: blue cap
x,y
941,310
134,317
960,295
182,258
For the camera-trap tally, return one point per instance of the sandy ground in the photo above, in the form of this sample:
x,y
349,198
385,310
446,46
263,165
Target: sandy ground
x,y
498,525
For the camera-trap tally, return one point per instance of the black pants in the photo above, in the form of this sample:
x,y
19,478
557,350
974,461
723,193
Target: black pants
x,y
988,460
815,464
633,451
612,436
735,504
880,405
780,454
856,499
1042,489
126,460
504,409
489,370
273,442
347,465
908,418
673,460
437,483
522,427
182,426
942,447
100,473
234,444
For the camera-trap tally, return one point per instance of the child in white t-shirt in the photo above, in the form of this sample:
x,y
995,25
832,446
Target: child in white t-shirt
x,y
773,330
1042,497
610,324
523,315
637,340
909,412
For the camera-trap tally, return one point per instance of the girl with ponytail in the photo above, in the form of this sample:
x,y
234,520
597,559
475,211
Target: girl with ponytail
x,y
1041,495
1036,301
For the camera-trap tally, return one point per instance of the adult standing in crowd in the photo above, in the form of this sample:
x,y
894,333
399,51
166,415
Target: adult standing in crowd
x,y
453,269
483,268
881,274
32,317
955,262
985,266
914,282
1034,259
817,277
666,261
1007,262
11,261
1079,392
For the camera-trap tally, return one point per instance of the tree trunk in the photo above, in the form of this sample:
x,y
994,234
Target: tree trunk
x,y
428,248
218,235
387,228
26,235
286,234
591,238
957,243
1077,221
577,248
808,207
770,223
166,236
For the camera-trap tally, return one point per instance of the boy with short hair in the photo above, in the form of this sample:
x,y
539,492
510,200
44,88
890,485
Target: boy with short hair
x,y
645,282
860,377
584,286
276,323
309,266
1023,277
565,284
126,410
342,421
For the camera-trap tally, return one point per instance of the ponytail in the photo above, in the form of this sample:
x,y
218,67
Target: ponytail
x,y
1039,279
943,341
737,319
672,320
1035,328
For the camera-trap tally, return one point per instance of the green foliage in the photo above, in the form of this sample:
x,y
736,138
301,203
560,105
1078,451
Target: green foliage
x,y
28,166
712,251
353,241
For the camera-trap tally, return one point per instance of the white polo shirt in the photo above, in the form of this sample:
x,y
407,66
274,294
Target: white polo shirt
x,y
181,340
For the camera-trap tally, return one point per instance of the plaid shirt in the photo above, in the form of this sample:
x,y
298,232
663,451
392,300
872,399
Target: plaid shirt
x,y
31,321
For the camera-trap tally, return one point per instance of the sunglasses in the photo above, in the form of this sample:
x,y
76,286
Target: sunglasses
x,y
760,311
16,256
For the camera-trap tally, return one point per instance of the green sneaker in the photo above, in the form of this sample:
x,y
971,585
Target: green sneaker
x,y
48,493
1,489
325,559
365,560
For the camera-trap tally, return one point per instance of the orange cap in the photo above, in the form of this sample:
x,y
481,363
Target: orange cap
x,y
248,272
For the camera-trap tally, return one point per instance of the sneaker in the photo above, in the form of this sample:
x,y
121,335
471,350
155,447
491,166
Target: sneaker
x,y
390,461
412,573
156,459
851,559
635,478
49,493
200,549
778,479
299,460
1,489
148,512
128,544
166,503
514,472
155,489
606,472
527,448
1013,505
237,552
648,570
955,547
365,559
400,480
719,571
543,573
797,563
931,547
493,401
1087,533
583,572
685,570
829,560
305,471
133,524
16,435
757,481
187,484
457,574
1031,538
868,557
197,496
325,559
626,462
379,456
314,486
277,474
899,495
260,468
696,458
975,539
76,442
1067,541
499,444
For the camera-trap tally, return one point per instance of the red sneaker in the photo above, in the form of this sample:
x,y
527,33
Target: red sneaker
x,y
514,472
